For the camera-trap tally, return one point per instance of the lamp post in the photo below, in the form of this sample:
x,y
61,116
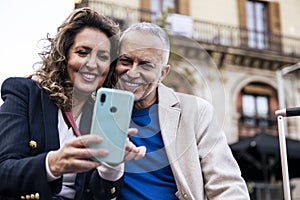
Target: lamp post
x,y
280,73
282,131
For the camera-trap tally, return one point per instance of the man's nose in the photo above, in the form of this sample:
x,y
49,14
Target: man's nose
x,y
133,71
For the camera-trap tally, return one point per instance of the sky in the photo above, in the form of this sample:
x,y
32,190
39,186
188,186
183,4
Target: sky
x,y
23,24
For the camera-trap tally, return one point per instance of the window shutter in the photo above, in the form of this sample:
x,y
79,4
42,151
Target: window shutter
x,y
274,17
145,6
242,13
183,7
242,16
274,25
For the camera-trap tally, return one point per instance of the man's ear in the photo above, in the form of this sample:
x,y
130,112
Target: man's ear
x,y
164,72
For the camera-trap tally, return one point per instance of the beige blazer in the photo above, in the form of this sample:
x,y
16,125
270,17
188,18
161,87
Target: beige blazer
x,y
196,146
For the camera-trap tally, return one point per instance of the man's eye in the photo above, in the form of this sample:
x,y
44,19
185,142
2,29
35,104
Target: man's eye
x,y
125,61
147,66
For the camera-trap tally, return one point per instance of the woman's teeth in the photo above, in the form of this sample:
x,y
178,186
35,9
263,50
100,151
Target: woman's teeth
x,y
89,76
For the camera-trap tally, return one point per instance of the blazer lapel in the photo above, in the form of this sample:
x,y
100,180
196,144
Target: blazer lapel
x,y
169,115
169,119
86,118
50,113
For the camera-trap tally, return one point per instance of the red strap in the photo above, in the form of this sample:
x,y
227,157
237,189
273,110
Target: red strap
x,y
70,118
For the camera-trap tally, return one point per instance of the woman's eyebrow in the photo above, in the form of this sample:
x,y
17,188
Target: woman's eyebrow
x,y
103,51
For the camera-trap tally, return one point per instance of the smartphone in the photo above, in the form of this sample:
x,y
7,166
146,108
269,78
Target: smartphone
x,y
111,119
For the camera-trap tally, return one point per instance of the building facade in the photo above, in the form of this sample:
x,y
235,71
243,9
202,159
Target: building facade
x,y
229,52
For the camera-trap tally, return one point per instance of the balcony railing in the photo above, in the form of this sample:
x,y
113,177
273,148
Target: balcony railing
x,y
122,14
209,32
249,126
239,37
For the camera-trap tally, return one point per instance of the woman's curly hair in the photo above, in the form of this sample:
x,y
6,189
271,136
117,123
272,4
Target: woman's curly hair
x,y
52,75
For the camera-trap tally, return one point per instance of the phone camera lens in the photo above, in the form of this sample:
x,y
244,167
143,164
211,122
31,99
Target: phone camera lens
x,y
102,98
113,109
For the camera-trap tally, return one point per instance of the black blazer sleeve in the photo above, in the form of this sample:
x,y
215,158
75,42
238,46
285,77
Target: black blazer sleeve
x,y
22,165
104,189
28,115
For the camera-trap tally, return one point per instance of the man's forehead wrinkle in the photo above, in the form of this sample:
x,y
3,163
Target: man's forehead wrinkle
x,y
148,41
139,47
141,51
144,57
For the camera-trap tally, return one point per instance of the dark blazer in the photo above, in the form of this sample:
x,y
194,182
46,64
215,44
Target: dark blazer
x,y
28,131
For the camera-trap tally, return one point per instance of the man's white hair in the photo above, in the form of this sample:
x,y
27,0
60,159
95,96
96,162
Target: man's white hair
x,y
153,29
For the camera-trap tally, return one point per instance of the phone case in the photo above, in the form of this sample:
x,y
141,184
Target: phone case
x,y
111,118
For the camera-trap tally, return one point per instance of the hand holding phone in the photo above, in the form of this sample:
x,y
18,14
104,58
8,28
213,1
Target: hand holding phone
x,y
111,118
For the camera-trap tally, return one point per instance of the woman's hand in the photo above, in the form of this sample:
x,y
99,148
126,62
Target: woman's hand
x,y
74,156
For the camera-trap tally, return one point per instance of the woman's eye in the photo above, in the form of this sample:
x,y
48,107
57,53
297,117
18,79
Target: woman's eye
x,y
82,53
103,57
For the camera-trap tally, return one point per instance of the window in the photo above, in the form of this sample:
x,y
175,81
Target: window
x,y
162,5
256,105
256,24
255,110
260,24
181,7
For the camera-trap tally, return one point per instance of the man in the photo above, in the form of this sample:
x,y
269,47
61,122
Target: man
x,y
187,153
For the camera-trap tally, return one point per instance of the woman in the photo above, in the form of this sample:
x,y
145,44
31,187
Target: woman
x,y
40,155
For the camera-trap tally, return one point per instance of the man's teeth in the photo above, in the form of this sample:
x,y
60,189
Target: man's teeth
x,y
132,84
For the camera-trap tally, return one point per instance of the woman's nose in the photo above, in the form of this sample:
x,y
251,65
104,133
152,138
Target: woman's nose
x,y
91,63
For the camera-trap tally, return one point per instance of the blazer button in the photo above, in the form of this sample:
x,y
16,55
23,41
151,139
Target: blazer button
x,y
32,144
37,195
112,190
